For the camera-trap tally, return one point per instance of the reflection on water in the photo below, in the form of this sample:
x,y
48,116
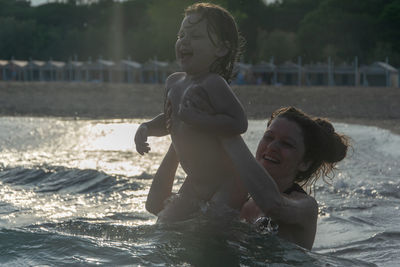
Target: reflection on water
x,y
77,188
104,145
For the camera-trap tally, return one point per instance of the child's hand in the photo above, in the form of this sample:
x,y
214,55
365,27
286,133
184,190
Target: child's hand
x,y
141,139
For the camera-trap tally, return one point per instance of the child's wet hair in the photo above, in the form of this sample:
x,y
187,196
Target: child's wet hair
x,y
324,147
222,23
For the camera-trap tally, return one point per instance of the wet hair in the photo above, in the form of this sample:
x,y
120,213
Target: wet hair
x,y
222,23
323,146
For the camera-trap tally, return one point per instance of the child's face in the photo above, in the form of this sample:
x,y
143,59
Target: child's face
x,y
194,50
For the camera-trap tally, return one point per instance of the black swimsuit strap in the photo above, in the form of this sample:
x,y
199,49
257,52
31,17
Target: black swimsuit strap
x,y
295,187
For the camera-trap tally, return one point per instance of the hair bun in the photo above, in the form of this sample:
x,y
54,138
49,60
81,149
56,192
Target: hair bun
x,y
335,145
325,125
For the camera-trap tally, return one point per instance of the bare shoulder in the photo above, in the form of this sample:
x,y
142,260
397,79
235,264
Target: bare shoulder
x,y
174,78
304,202
312,204
214,81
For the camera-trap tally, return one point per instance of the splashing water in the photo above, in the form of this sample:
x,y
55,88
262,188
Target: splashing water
x,y
73,192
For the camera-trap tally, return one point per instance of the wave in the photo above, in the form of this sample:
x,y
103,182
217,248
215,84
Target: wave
x,y
45,179
381,248
193,242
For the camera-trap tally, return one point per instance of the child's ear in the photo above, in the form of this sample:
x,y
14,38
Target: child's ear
x,y
222,49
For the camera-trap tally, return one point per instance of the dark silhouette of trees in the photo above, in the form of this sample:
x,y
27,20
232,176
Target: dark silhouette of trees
x,y
143,29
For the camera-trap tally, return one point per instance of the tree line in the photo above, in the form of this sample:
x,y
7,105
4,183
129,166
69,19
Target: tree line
x,y
143,29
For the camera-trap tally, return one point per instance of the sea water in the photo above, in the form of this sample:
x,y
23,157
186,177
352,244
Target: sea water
x,y
72,192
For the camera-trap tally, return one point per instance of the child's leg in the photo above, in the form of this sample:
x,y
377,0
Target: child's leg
x,y
182,205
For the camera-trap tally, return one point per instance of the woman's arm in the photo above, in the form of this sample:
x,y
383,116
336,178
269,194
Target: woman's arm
x,y
161,187
264,190
298,212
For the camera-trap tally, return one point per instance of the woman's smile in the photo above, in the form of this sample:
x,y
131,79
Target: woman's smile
x,y
271,159
281,151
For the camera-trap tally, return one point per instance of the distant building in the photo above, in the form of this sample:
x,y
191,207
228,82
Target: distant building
x,y
317,74
129,72
289,73
379,74
98,71
16,71
243,74
264,73
155,71
73,71
35,70
345,75
53,71
3,64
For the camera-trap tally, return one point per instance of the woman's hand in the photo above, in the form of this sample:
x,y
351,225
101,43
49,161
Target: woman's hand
x,y
195,106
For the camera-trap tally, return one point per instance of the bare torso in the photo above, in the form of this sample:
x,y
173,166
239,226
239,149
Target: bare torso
x,y
200,153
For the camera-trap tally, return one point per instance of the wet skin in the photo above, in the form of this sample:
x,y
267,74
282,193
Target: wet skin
x,y
199,108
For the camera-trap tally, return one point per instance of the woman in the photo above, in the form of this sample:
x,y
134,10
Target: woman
x,y
293,153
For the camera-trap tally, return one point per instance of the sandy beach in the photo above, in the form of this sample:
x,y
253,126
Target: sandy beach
x,y
360,105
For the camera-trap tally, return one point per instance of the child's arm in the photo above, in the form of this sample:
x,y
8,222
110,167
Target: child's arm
x,y
154,127
157,126
161,186
228,116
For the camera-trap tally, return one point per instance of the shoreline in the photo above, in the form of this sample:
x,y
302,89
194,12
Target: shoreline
x,y
392,125
372,106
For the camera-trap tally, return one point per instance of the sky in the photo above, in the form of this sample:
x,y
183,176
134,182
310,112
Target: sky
x,y
39,2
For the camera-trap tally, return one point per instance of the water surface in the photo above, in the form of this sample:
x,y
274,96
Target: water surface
x,y
73,192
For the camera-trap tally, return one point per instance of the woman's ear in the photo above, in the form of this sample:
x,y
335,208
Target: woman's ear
x,y
304,165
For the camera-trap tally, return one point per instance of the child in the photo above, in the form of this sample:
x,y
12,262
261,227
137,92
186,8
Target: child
x,y
200,107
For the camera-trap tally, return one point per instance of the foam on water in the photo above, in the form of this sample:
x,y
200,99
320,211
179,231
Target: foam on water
x,y
73,192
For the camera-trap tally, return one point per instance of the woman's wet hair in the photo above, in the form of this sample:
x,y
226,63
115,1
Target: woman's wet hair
x,y
222,23
324,147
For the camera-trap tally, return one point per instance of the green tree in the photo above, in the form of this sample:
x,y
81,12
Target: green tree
x,y
389,25
286,15
16,38
278,44
339,28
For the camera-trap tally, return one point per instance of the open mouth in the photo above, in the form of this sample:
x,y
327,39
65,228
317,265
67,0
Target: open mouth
x,y
271,159
184,55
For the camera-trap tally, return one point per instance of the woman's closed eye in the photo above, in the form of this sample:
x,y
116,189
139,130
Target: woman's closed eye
x,y
268,137
287,144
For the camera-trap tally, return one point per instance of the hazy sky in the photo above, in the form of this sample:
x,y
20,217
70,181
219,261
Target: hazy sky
x,y
39,2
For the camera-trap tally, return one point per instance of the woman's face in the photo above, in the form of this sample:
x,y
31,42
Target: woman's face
x,y
281,152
